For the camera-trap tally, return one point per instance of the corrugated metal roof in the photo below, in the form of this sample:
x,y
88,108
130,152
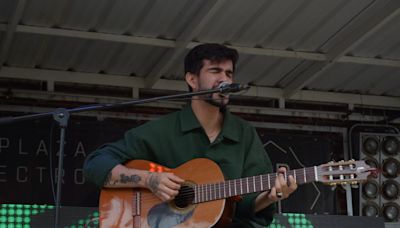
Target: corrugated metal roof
x,y
346,46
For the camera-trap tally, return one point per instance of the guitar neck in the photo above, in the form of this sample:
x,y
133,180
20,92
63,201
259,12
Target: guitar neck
x,y
226,189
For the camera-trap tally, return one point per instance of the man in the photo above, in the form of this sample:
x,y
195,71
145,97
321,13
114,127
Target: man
x,y
202,129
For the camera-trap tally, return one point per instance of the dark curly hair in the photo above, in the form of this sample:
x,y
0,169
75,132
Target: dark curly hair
x,y
213,52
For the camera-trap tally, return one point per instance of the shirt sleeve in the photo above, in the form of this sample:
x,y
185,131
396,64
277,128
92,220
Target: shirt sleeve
x,y
101,161
256,162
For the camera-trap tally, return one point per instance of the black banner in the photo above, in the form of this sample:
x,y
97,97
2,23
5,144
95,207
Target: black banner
x,y
28,162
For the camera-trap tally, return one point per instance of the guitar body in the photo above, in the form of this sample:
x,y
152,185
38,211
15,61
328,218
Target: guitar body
x,y
135,207
201,199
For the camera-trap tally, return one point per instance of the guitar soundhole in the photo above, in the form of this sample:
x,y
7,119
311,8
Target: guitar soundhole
x,y
185,197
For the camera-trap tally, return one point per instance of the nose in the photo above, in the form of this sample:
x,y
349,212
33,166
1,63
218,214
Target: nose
x,y
225,77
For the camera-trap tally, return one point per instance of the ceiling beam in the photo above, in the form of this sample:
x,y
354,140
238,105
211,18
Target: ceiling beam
x,y
372,18
206,12
179,85
313,56
10,31
84,98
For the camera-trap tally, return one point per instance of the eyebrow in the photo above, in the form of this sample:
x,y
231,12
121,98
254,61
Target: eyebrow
x,y
220,69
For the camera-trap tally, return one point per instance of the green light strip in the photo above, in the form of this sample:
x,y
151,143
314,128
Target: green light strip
x,y
20,216
292,220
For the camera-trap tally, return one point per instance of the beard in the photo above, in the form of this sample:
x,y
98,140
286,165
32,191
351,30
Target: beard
x,y
216,99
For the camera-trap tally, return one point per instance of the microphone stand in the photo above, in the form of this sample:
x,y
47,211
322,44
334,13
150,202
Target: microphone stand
x,y
61,116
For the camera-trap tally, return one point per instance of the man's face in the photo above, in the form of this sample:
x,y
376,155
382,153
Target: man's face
x,y
211,75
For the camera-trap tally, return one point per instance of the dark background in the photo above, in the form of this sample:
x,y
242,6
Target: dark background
x,y
25,148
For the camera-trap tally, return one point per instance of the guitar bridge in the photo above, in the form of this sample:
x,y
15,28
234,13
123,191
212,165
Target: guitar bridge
x,y
136,209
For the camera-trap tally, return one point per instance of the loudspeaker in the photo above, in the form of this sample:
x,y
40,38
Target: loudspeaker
x,y
379,196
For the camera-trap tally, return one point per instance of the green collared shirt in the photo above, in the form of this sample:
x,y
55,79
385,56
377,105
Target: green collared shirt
x,y
177,138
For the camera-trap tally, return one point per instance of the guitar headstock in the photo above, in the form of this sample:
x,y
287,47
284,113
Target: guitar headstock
x,y
344,172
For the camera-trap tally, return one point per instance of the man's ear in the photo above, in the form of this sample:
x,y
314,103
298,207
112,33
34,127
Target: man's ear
x,y
191,80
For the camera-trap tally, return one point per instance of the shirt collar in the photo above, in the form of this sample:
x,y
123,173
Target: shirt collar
x,y
188,119
230,129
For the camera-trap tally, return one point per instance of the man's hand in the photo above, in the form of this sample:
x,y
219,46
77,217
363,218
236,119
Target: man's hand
x,y
281,190
164,185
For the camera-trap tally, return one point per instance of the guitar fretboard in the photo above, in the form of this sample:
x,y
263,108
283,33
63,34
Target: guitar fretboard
x,y
226,189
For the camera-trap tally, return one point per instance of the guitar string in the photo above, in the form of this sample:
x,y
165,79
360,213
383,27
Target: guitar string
x,y
210,190
188,193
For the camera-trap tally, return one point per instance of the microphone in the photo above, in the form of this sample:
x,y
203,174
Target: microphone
x,y
226,87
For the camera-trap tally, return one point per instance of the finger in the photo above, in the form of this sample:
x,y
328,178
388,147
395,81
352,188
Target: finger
x,y
282,181
170,192
272,194
278,186
175,178
172,185
293,184
282,169
164,196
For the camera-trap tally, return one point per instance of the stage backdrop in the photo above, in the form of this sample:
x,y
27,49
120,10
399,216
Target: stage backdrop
x,y
28,162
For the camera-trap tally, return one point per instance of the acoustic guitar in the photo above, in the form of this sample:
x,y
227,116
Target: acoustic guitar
x,y
202,198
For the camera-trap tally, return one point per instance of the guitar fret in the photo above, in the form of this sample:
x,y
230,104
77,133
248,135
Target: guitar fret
x,y
247,187
212,192
200,192
215,191
205,192
221,195
224,191
234,185
230,190
254,183
209,192
195,194
315,173
219,192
